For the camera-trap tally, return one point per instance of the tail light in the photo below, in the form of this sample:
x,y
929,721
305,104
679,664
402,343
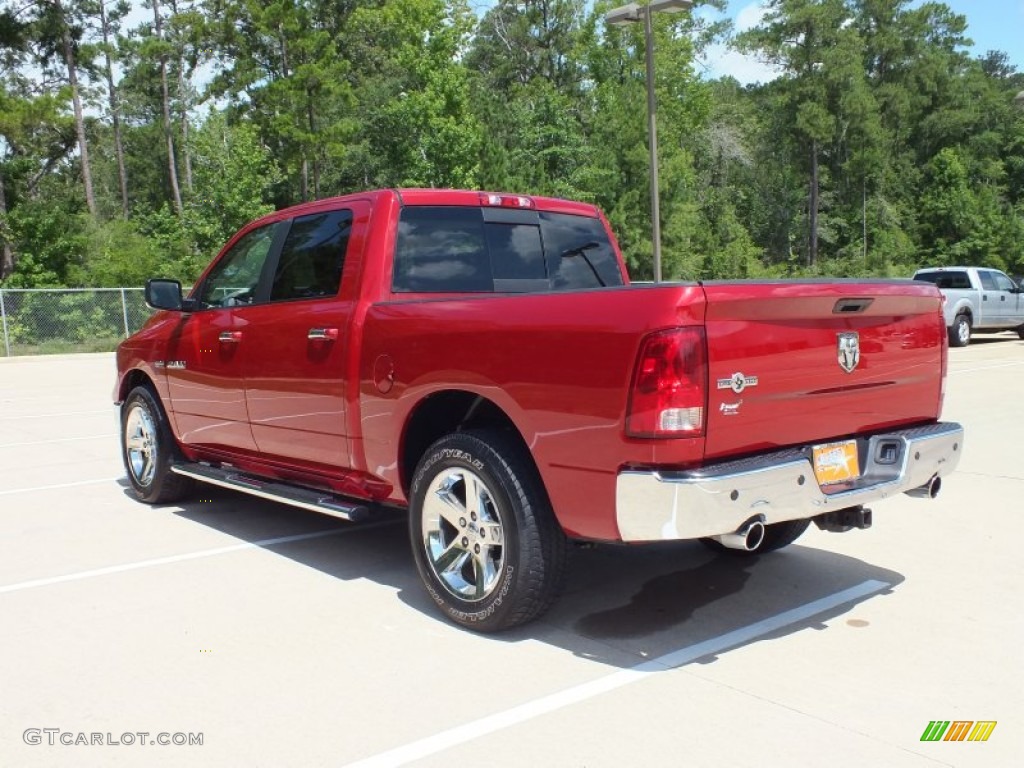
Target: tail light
x,y
944,344
669,391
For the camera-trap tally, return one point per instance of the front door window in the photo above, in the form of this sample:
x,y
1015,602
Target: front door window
x,y
234,279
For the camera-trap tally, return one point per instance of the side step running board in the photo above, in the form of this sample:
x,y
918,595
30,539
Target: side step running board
x,y
296,496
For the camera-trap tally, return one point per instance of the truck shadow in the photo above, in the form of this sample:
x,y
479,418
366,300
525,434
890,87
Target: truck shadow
x,y
626,605
621,605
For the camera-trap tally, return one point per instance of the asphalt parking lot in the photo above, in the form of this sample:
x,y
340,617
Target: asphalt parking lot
x,y
283,638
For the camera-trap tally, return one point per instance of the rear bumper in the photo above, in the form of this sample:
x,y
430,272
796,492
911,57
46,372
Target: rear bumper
x,y
656,505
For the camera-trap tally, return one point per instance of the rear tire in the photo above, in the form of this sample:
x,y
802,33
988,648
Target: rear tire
x,y
776,536
148,450
486,543
1020,331
960,333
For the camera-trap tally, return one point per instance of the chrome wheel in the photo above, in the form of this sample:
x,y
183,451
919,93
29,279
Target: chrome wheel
x,y
963,331
140,444
486,543
462,534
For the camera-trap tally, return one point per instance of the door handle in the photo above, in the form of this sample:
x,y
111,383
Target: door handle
x,y
322,334
230,337
1002,298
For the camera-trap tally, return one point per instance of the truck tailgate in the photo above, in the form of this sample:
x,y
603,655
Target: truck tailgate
x,y
797,363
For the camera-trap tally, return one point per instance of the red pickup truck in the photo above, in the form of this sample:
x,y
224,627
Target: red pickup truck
x,y
482,361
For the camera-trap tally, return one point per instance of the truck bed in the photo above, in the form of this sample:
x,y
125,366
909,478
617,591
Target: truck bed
x,y
560,365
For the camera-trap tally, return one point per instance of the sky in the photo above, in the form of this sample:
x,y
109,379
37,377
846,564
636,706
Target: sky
x,y
991,24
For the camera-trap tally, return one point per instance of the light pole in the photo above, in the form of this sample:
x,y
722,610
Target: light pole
x,y
630,14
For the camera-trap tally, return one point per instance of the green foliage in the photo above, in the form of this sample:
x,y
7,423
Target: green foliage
x,y
233,174
51,244
118,254
417,126
881,147
60,321
910,137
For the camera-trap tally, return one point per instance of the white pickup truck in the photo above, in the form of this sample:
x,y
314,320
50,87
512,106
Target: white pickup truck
x,y
978,300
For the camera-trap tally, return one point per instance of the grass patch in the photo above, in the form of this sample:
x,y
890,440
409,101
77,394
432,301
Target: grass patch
x,y
65,347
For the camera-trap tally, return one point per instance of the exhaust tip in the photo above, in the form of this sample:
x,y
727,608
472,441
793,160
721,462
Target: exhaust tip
x,y
755,535
927,491
747,537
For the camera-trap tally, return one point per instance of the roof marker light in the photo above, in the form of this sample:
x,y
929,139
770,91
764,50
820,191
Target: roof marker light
x,y
505,201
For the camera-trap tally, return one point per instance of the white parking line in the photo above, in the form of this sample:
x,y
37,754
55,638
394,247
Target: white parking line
x,y
986,368
58,440
187,556
59,485
56,415
461,734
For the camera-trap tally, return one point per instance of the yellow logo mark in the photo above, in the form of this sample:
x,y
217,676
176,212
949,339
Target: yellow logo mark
x,y
982,730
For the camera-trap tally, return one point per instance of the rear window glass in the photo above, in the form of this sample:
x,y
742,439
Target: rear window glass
x,y
454,249
442,249
313,256
515,251
950,280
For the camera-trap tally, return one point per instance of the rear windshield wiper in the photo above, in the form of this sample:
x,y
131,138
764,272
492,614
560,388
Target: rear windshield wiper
x,y
581,250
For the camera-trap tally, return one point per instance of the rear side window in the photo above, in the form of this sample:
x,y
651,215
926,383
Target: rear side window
x,y
474,250
442,249
313,256
950,280
578,252
988,282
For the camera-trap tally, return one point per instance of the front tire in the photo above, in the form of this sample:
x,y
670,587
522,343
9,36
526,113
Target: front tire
x,y
960,333
148,450
486,543
776,536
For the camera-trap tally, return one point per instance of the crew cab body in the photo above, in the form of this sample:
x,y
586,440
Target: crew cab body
x,y
447,350
977,300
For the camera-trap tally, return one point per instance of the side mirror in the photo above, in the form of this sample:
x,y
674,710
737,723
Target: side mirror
x,y
164,294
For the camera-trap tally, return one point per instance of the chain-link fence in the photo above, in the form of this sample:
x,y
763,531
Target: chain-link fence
x,y
49,321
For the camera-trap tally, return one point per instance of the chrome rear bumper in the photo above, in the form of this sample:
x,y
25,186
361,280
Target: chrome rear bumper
x,y
717,499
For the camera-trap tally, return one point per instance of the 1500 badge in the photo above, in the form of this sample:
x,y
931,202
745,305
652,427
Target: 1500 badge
x,y
737,382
